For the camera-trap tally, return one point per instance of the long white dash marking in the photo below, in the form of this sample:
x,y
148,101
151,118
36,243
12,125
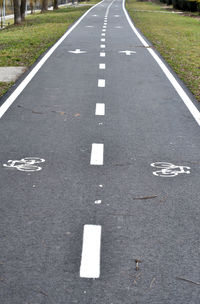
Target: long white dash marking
x,y
102,54
9,101
100,109
185,98
102,66
97,154
91,252
101,83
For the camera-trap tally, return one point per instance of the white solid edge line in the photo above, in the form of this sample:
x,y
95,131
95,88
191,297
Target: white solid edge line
x,y
97,154
91,252
101,83
187,101
100,109
9,101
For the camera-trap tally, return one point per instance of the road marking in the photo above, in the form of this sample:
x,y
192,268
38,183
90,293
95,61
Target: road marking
x,y
102,66
102,46
169,170
91,251
97,154
185,98
117,16
9,101
104,30
102,54
104,26
95,15
103,34
101,83
127,52
89,26
100,109
103,39
77,51
27,164
118,27
98,202
108,8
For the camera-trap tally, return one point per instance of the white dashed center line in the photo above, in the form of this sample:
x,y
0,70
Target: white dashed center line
x,y
100,109
102,66
91,251
104,26
102,54
104,30
103,39
101,83
97,154
102,46
103,34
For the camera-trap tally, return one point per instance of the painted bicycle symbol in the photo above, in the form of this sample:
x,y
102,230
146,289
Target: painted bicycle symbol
x,y
169,170
27,164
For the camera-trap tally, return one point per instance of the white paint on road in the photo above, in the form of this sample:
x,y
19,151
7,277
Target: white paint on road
x,y
102,54
108,8
100,109
89,25
169,170
181,92
27,164
101,83
127,52
102,66
97,152
104,30
103,34
104,26
91,252
9,101
77,51
102,46
97,202
103,39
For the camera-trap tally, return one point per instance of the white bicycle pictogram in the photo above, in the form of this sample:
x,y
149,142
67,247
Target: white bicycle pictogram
x,y
169,170
27,164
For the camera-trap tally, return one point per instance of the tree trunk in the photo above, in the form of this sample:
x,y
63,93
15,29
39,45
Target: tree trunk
x,y
17,15
44,6
23,9
55,4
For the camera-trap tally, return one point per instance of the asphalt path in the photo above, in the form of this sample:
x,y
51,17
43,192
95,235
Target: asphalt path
x,y
99,168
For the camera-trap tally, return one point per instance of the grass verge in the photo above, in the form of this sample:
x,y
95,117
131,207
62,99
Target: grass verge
x,y
22,45
176,37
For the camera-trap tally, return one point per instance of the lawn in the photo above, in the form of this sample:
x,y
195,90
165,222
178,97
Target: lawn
x,y
175,36
22,45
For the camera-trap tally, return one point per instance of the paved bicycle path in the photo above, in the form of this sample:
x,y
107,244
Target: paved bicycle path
x,y
153,218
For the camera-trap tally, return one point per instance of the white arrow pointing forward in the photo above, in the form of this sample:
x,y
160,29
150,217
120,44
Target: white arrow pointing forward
x,y
77,51
127,52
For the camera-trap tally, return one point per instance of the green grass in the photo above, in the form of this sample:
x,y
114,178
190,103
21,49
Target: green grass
x,y
176,37
22,45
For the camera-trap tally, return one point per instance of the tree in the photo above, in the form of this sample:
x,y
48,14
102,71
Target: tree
x,y
55,4
44,7
17,14
23,9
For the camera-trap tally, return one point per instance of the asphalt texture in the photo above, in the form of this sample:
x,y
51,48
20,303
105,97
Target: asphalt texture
x,y
143,216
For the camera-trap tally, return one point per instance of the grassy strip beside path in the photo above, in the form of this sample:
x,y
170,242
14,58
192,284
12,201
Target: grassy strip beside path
x,y
176,37
22,45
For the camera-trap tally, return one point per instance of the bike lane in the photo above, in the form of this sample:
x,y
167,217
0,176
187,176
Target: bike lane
x,y
143,216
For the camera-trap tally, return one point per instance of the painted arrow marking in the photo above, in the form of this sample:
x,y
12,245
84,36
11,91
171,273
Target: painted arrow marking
x,y
127,52
77,51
